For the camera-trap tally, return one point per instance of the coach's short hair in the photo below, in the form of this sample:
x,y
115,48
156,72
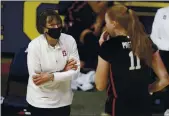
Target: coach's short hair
x,y
41,20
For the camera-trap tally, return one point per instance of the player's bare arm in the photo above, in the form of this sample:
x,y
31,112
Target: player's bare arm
x,y
102,73
161,72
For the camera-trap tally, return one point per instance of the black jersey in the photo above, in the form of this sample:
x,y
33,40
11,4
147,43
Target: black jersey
x,y
129,75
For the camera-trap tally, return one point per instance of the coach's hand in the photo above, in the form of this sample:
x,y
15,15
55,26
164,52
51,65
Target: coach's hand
x,y
42,77
71,64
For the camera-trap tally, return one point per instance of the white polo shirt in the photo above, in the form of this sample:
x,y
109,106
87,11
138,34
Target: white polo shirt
x,y
160,29
44,58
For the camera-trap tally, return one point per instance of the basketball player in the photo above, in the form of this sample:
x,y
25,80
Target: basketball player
x,y
129,55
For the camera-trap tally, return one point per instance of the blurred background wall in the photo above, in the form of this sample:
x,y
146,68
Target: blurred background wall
x,y
18,19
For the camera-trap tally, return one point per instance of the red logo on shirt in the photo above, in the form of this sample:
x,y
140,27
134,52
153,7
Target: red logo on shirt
x,y
64,53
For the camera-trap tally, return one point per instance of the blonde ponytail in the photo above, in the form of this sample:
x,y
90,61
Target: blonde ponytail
x,y
141,45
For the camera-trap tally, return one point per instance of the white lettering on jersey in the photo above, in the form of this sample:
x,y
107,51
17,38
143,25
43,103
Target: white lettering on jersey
x,y
126,45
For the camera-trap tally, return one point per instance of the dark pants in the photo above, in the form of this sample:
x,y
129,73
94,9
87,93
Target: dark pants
x,y
62,111
128,107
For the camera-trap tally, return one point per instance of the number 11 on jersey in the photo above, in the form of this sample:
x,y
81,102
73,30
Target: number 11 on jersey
x,y
132,66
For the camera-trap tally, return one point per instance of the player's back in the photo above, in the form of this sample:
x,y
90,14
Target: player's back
x,y
130,75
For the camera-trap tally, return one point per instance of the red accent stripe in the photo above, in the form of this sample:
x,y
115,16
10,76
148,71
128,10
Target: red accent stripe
x,y
113,106
114,92
112,82
108,90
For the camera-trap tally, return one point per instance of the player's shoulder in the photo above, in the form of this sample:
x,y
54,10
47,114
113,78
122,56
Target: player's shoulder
x,y
115,42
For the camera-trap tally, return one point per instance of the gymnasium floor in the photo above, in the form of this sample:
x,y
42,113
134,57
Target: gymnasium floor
x,y
84,103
